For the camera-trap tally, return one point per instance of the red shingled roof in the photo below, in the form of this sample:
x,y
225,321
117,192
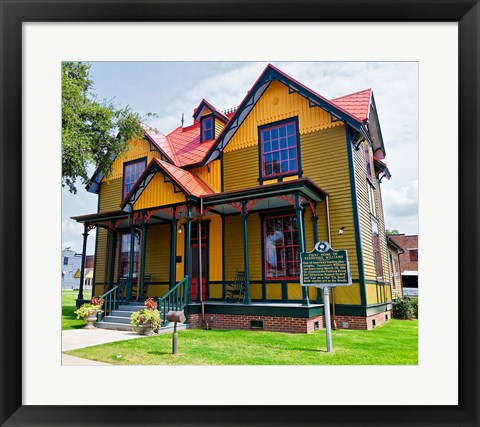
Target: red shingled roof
x,y
357,104
190,183
182,146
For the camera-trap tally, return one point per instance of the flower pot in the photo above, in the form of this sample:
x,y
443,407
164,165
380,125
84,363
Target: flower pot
x,y
145,328
91,319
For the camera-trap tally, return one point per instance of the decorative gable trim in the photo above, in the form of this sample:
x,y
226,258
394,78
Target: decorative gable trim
x,y
269,74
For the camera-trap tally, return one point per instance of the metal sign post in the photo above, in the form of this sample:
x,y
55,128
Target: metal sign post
x,y
325,268
328,325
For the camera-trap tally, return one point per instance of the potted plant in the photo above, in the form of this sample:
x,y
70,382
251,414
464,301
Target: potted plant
x,y
147,320
89,311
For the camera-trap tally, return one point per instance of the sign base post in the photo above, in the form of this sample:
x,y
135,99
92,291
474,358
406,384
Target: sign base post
x,y
328,324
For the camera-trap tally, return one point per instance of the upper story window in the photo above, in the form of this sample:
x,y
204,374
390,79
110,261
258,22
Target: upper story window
x,y
282,257
371,200
413,253
206,129
377,253
131,172
279,149
368,163
65,260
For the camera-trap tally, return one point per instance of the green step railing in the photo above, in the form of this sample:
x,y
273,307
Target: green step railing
x,y
113,298
176,299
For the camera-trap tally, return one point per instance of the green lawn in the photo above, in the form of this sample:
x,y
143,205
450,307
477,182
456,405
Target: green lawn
x,y
394,343
69,320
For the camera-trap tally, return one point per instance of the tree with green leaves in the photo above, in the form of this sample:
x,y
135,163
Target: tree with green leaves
x,y
94,131
388,232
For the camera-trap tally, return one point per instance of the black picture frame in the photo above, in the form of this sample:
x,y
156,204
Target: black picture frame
x,y
14,13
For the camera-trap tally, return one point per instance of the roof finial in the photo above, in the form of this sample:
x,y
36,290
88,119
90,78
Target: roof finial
x,y
183,119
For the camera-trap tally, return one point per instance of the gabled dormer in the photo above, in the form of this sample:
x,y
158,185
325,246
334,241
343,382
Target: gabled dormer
x,y
211,120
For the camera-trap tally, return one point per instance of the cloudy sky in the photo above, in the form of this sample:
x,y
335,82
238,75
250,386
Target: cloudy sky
x,y
172,88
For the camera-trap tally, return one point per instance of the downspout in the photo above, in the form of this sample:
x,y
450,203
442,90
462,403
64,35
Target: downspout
x,y
332,291
200,272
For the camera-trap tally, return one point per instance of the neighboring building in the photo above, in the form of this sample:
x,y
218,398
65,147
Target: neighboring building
x,y
248,190
71,262
87,277
408,262
394,252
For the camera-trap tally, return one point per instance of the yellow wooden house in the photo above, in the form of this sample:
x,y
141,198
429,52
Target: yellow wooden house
x,y
234,199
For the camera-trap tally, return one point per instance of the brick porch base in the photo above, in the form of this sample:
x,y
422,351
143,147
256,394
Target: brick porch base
x,y
300,325
364,323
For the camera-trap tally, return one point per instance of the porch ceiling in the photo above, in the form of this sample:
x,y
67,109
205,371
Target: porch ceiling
x,y
119,219
265,197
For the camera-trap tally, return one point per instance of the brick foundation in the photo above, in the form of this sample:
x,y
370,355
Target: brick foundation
x,y
365,323
300,325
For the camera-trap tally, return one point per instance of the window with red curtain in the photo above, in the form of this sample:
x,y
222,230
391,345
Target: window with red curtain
x,y
281,252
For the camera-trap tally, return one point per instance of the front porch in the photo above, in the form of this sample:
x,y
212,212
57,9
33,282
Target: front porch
x,y
273,317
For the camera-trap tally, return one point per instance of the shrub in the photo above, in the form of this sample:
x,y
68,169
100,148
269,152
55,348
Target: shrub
x,y
86,310
145,316
415,306
403,309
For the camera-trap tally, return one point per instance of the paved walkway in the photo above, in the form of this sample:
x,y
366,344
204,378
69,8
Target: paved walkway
x,y
80,338
68,360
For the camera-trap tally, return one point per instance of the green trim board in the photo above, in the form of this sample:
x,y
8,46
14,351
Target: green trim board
x,y
288,311
258,310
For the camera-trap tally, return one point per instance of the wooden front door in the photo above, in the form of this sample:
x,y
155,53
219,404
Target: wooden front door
x,y
194,273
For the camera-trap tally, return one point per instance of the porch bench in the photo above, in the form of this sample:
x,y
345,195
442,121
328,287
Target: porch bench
x,y
235,291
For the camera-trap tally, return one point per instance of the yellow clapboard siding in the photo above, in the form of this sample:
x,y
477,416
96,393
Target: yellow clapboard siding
x,y
110,195
364,213
219,125
372,297
137,150
277,104
215,249
157,261
206,112
366,225
241,169
210,174
159,193
325,161
233,246
274,291
101,257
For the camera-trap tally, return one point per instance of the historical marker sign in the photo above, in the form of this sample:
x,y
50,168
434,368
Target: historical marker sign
x,y
325,267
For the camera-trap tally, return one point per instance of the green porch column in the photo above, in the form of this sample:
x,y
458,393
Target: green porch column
x,y
82,268
130,266
111,266
188,249
142,261
301,241
248,299
173,250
